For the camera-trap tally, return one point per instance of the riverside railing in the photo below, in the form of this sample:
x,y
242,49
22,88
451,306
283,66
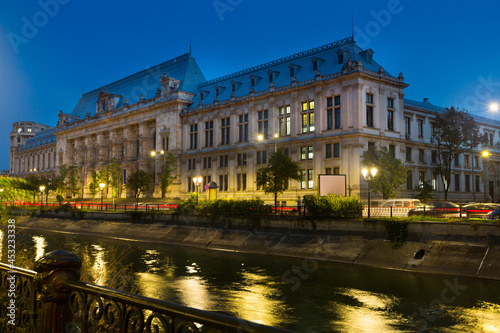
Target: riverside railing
x,y
52,299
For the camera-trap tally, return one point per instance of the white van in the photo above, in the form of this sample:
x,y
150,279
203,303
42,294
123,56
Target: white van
x,y
402,203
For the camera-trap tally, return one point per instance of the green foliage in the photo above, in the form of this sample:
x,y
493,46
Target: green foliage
x,y
139,182
333,206
73,179
248,208
397,230
60,180
391,172
455,132
94,185
425,192
275,176
135,217
167,174
10,189
59,199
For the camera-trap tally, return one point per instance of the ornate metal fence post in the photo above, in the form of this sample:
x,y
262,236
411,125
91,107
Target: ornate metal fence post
x,y
53,270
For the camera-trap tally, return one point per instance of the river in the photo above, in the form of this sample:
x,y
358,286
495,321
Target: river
x,y
296,294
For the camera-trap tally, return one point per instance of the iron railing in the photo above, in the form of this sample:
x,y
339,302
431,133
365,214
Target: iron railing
x,y
53,299
17,300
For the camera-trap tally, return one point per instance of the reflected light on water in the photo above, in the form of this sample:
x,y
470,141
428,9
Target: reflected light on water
x,y
99,269
40,244
157,282
367,312
254,299
194,293
150,259
485,317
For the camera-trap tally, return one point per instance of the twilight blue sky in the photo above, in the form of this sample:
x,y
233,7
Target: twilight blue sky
x,y
448,51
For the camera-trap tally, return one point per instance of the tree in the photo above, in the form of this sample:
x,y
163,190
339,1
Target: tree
x,y
473,140
32,185
94,185
425,192
391,172
276,175
139,182
167,174
61,179
455,132
73,179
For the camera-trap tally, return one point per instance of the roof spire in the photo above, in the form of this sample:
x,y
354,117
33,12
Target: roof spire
x,y
190,44
352,26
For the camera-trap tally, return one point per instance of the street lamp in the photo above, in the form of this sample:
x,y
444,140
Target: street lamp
x,y
369,177
260,137
494,107
485,154
1,192
101,186
197,182
42,188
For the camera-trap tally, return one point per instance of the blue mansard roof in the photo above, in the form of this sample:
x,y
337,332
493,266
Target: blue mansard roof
x,y
327,62
41,138
426,105
145,82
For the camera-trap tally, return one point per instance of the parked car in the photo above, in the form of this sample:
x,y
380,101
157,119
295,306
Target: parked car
x,y
436,209
494,214
481,210
402,202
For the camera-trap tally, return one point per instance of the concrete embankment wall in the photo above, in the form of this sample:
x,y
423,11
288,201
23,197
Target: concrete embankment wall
x,y
447,248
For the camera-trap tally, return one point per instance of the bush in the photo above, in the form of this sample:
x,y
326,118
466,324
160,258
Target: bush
x,y
333,206
397,230
248,208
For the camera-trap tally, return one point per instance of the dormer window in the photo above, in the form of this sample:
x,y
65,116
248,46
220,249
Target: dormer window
x,y
368,55
315,65
103,106
254,80
293,69
340,58
271,77
218,90
234,86
203,94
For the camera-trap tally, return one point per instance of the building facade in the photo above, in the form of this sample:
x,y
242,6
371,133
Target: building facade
x,y
323,106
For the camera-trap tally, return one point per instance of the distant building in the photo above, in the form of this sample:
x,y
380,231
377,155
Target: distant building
x,y
327,106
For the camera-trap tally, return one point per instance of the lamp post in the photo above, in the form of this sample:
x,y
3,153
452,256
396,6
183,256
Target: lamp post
x,y
197,182
260,137
101,186
42,188
1,192
369,177
485,154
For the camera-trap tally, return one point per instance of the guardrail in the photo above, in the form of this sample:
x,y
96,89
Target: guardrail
x,y
52,299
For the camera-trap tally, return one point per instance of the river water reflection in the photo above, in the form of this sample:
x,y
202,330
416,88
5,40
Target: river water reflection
x,y
299,295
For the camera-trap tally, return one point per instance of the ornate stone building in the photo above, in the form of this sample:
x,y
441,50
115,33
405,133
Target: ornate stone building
x,y
324,106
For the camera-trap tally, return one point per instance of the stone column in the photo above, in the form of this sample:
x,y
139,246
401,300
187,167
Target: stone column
x,y
54,269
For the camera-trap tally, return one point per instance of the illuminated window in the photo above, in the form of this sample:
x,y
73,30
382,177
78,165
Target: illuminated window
x,y
243,127
284,121
308,117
